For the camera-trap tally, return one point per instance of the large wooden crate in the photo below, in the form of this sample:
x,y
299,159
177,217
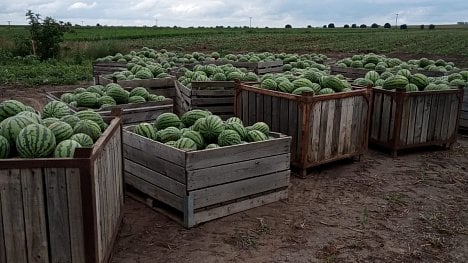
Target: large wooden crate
x,y
215,96
257,67
402,120
198,186
324,128
63,209
352,73
464,112
105,68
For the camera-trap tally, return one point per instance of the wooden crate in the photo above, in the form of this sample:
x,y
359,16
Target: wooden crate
x,y
352,73
324,128
105,68
402,120
63,209
199,186
215,96
464,112
257,67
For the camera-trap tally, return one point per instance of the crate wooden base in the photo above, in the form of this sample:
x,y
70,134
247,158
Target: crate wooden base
x,y
303,172
211,213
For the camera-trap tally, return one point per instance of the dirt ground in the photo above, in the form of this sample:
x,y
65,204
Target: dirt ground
x,y
410,209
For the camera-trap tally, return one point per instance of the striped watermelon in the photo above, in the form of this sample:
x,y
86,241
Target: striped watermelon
x,y
35,141
326,91
4,147
70,119
146,130
185,144
106,100
334,83
136,99
169,134
154,97
211,127
92,116
31,115
419,80
55,109
9,108
404,72
118,94
139,91
88,127
301,90
48,121
11,127
301,82
83,139
372,76
269,84
256,136
87,99
67,97
66,149
170,143
167,120
196,125
196,137
97,89
79,90
229,137
234,120
411,87
239,128
61,130
397,81
285,86
261,126
190,117
212,146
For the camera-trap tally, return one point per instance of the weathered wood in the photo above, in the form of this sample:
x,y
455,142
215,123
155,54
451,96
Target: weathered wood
x,y
385,119
262,67
376,115
412,120
426,113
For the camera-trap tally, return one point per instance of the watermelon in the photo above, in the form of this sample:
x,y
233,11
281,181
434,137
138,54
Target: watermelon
x,y
212,146
66,149
146,130
372,76
404,72
326,91
136,99
55,109
269,84
70,119
169,134
11,127
87,99
234,120
261,126
154,97
286,86
167,120
79,90
170,143
301,90
194,136
9,108
88,127
256,136
211,127
139,91
237,127
61,130
185,144
4,147
301,82
48,121
92,116
334,83
411,87
397,81
118,94
35,141
228,137
97,89
106,100
190,117
31,115
83,139
67,97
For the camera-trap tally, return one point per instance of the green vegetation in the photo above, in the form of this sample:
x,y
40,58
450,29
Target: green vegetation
x,y
84,44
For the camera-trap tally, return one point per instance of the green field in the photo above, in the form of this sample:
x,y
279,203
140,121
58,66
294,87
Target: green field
x,y
84,44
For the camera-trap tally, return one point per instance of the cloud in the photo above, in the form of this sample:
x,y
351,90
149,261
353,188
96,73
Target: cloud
x,y
81,5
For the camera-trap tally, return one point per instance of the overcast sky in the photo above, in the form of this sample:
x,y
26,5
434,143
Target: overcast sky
x,y
271,13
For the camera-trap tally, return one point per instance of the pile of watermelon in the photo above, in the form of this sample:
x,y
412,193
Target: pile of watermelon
x,y
212,72
53,133
98,96
381,63
311,80
412,82
199,129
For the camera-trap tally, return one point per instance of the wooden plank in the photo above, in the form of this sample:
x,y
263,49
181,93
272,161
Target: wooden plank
x,y
284,116
419,119
155,178
433,117
154,162
385,118
349,121
452,125
131,118
376,115
237,153
217,109
57,212
210,214
440,116
405,119
215,175
2,236
12,217
252,107
412,120
213,93
356,125
446,116
267,110
323,129
293,125
329,128
230,191
212,101
275,113
147,145
300,128
245,108
34,215
335,137
426,113
344,114
259,106
155,192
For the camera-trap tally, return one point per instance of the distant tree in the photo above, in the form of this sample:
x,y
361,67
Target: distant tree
x,y
98,25
431,26
346,26
354,26
288,26
324,26
363,26
331,25
309,26
374,25
404,26
421,26
387,25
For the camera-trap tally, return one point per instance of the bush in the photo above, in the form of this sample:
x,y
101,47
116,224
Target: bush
x,y
324,26
331,25
288,26
431,26
421,26
374,25
363,26
387,25
309,26
22,46
354,26
404,26
346,26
